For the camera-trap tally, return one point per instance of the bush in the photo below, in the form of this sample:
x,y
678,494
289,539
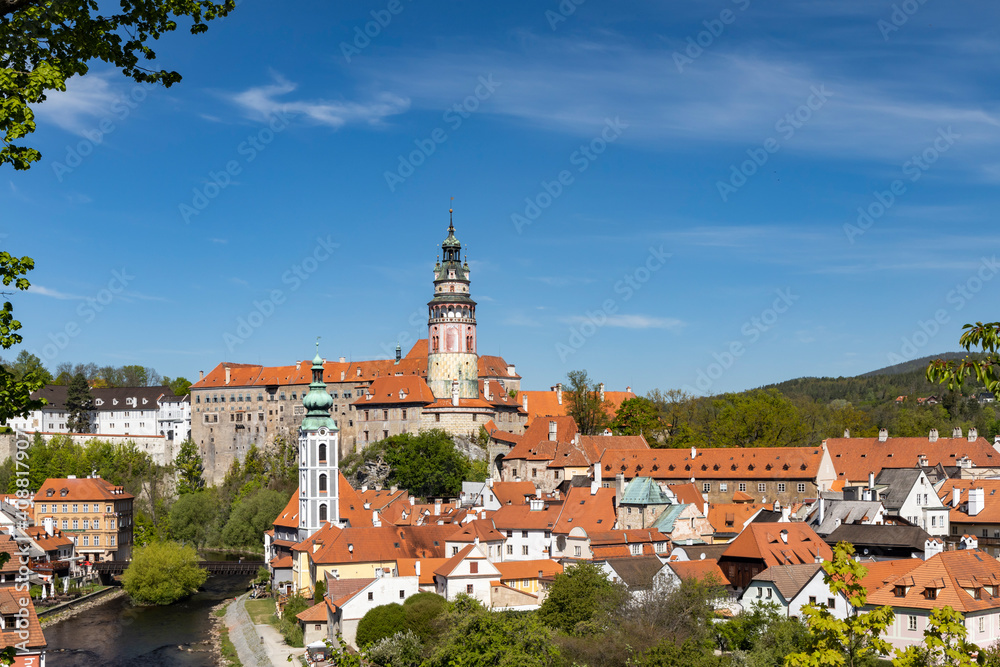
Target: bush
x,y
288,625
423,615
403,649
162,573
379,623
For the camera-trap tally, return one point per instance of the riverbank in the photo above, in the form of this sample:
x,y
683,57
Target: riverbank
x,y
77,607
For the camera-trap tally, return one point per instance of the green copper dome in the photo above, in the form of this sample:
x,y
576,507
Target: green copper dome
x,y
318,401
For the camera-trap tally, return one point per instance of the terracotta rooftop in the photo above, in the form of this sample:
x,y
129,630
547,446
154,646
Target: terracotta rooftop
x,y
990,512
528,569
778,544
699,570
81,488
958,577
314,614
591,512
718,463
854,458
542,404
10,605
396,390
513,493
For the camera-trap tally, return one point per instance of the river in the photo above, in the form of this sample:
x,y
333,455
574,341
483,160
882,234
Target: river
x,y
117,634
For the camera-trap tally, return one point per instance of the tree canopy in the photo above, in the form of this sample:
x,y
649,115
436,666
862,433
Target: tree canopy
x,y
639,416
43,43
584,404
15,392
252,516
575,596
78,405
985,367
162,573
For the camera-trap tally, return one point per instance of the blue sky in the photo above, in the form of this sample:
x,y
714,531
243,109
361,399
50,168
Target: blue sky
x,y
666,196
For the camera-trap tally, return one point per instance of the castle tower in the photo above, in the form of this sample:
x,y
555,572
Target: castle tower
x,y
319,469
451,326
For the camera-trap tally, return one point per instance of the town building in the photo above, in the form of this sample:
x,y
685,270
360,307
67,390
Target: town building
x,y
764,545
881,542
442,382
28,636
792,587
94,513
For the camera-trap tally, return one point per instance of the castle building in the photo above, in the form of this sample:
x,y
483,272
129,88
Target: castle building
x,y
442,382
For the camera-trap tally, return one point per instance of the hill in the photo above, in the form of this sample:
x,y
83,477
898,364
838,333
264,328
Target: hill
x,y
917,364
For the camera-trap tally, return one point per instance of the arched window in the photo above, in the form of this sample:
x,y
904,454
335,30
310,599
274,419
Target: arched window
x,y
322,453
322,483
322,512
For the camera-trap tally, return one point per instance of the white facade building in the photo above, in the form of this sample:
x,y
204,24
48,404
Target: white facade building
x,y
319,470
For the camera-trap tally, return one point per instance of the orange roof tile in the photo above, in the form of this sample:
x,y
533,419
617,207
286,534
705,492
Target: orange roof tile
x,y
382,498
546,403
690,495
314,614
522,517
528,569
10,605
86,488
393,390
854,458
730,517
281,562
590,512
882,572
778,544
951,573
481,529
449,565
719,463
513,493
699,570
368,544
991,497
406,567
289,517
535,445
495,367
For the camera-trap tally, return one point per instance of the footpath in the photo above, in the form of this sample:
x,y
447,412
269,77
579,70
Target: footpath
x,y
257,645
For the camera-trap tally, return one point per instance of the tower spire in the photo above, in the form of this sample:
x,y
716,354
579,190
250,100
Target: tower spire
x,y
451,223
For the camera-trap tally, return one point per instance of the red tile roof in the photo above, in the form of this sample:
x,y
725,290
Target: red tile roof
x,y
543,404
9,606
690,495
699,570
952,574
730,517
482,529
82,489
513,493
590,512
719,463
289,517
449,565
340,591
991,498
854,458
406,567
314,614
376,543
882,572
495,367
393,390
767,542
281,562
522,517
528,569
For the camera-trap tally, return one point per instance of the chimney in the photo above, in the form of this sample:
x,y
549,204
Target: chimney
x,y
596,484
956,432
977,501
559,393
298,364
822,504
437,507
871,480
973,434
847,433
228,376
536,504
883,434
342,374
628,390
968,542
524,401
552,431
454,392
786,514
475,540
48,521
694,452
376,521
486,389
511,371
343,360
932,547
619,486
956,497
399,353
416,568
201,375
413,501
600,388
933,435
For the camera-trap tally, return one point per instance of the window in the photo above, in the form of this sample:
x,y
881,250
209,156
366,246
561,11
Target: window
x,y
743,486
812,599
454,551
781,487
706,487
322,512
510,549
982,624
111,541
385,414
768,593
86,541
111,524
933,521
322,483
524,550
831,603
107,509
404,413
899,591
65,524
402,595
762,487
473,567
437,418
322,453
524,533
723,486
86,524
802,487
534,472
577,551
636,549
911,622
85,507
75,509
97,540
76,524
468,589
556,474
760,592
629,510
371,595
43,508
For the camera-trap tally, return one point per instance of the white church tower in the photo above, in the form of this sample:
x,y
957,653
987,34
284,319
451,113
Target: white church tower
x,y
319,453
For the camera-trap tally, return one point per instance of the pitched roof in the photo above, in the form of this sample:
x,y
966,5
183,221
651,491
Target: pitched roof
x,y
496,367
522,517
528,569
513,493
730,517
498,397
898,482
837,512
665,522
407,568
643,491
314,614
960,514
381,498
366,544
778,544
10,605
289,517
481,529
85,488
396,390
470,550
542,404
636,572
720,463
590,512
699,570
107,398
882,572
854,458
883,536
789,579
689,493
952,574
340,591
535,445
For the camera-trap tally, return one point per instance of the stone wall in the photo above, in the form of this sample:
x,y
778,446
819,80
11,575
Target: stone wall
x,y
161,450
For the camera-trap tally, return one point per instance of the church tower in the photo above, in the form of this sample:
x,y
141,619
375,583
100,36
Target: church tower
x,y
319,469
452,362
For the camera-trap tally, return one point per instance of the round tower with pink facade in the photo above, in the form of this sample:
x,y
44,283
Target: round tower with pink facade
x,y
452,361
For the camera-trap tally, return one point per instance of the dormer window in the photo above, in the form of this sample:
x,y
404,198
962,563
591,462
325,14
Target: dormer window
x,y
899,591
49,493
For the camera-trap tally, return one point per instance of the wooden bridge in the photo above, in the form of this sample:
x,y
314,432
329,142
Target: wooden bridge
x,y
248,567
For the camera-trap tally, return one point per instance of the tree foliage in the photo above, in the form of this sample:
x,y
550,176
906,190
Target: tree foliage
x,y
639,416
853,641
181,386
985,367
584,404
380,623
189,468
251,517
427,464
575,596
15,392
162,573
192,518
945,643
78,405
44,43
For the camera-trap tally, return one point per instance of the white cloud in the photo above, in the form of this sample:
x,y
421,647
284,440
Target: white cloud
x,y
262,102
634,322
55,294
85,98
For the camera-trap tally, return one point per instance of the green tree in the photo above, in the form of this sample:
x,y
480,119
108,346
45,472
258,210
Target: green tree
x,y
28,365
638,416
319,590
985,367
585,405
181,386
189,468
575,597
45,42
945,643
15,393
403,649
193,515
426,464
251,517
476,636
422,612
162,573
288,625
853,641
760,418
668,653
380,622
78,405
